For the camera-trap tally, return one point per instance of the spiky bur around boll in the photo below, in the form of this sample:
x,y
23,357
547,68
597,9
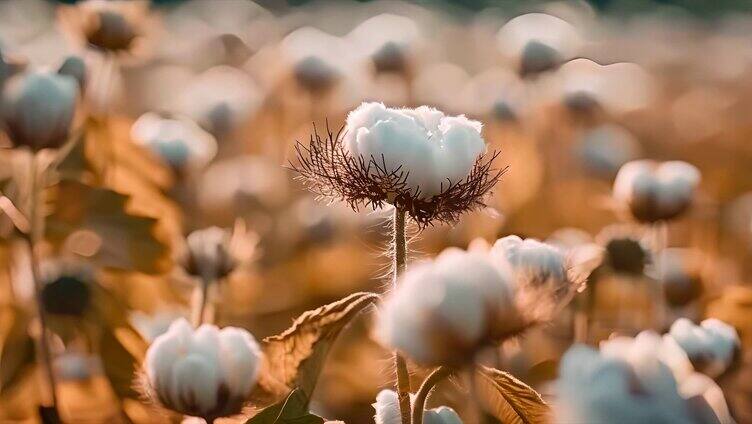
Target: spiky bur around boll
x,y
66,287
206,372
711,346
388,412
653,191
432,166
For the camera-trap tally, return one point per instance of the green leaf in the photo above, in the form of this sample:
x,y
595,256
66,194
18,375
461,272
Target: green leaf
x,y
292,410
295,357
508,399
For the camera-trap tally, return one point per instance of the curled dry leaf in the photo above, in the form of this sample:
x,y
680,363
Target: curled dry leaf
x,y
508,399
295,358
117,238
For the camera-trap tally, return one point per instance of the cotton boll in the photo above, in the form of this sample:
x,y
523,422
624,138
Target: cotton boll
x,y
431,149
387,39
38,109
597,387
538,42
176,140
208,254
388,411
711,346
604,149
208,373
656,191
535,263
439,312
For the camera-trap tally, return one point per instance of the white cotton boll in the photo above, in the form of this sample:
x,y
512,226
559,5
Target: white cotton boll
x,y
387,39
387,408
656,191
178,141
439,311
604,149
710,346
535,261
432,149
597,387
37,109
388,411
208,373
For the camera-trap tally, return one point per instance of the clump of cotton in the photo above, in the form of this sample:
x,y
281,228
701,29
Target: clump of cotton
x,y
538,42
655,191
432,149
176,140
710,346
440,310
207,372
604,149
388,412
387,39
642,379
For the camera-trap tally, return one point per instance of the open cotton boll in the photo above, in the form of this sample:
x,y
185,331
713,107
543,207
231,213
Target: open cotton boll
x,y
597,388
438,313
431,149
176,140
387,39
710,346
656,191
536,265
207,373
388,412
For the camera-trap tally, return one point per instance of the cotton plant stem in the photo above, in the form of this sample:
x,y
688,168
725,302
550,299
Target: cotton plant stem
x,y
659,232
403,374
36,231
429,383
203,302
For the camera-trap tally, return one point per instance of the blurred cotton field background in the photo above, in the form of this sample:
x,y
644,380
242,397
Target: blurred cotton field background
x,y
585,257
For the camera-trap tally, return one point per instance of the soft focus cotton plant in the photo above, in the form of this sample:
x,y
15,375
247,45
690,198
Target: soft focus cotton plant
x,y
207,372
38,109
647,378
711,346
654,191
176,140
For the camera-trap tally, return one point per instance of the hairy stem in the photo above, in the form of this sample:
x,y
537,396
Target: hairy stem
x,y
429,383
403,374
36,232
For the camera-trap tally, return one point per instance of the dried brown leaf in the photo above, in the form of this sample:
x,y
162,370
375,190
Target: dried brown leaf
x,y
127,241
295,357
508,399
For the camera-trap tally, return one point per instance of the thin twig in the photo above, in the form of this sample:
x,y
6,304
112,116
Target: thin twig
x,y
35,234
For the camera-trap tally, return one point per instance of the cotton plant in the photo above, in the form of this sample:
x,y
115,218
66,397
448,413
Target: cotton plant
x,y
711,346
647,378
444,312
653,194
426,165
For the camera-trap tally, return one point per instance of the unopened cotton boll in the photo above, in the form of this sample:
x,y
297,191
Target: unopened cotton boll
x,y
388,411
710,346
176,140
439,312
207,372
38,109
430,148
656,191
